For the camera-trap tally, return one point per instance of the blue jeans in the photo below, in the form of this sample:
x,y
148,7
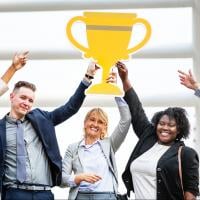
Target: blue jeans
x,y
96,196
19,194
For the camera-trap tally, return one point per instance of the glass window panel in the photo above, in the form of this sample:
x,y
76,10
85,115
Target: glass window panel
x,y
57,79
46,30
157,77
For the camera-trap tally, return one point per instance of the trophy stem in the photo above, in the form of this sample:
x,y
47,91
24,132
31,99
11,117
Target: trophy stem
x,y
103,87
105,73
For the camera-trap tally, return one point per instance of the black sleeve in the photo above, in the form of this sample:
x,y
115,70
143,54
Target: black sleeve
x,y
139,119
190,170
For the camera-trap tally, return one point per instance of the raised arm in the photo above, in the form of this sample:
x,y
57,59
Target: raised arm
x,y
72,106
189,81
139,119
19,60
121,130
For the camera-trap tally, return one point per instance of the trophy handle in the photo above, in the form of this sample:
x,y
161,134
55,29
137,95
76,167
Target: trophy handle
x,y
146,38
71,37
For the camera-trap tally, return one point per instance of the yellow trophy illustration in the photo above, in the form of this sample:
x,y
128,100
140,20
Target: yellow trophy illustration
x,y
108,37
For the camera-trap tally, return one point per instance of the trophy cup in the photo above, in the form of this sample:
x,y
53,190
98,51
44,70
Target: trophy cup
x,y
108,37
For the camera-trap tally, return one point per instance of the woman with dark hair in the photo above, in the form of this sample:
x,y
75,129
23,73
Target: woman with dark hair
x,y
152,171
179,115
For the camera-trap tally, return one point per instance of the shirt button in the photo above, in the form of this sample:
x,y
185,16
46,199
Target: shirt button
x,y
158,169
159,181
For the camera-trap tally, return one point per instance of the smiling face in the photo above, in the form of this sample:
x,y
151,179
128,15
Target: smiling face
x,y
22,101
166,130
95,125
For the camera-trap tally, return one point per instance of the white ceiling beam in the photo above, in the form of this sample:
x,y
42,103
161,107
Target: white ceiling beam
x,y
178,51
183,100
52,5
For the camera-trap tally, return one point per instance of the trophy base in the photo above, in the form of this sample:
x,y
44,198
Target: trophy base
x,y
104,88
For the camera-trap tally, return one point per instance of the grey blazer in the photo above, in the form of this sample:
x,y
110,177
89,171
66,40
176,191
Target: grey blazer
x,y
109,145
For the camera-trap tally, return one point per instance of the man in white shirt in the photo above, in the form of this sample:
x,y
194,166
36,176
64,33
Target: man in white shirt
x,y
19,60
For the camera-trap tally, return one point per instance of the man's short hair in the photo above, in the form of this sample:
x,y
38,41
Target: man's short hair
x,y
25,84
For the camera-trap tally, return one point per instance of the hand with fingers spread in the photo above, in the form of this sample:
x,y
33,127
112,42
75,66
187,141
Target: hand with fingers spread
x,y
87,177
188,80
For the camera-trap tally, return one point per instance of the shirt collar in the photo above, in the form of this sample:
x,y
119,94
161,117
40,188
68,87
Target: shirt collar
x,y
12,120
87,146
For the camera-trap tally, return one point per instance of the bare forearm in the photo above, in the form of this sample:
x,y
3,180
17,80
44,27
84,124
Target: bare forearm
x,y
8,74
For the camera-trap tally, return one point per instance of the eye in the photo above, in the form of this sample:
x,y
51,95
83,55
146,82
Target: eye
x,y
100,122
92,119
161,123
172,125
23,97
31,100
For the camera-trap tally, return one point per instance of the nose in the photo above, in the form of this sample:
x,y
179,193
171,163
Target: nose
x,y
95,123
26,103
166,127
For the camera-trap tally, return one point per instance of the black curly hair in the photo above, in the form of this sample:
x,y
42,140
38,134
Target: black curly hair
x,y
179,115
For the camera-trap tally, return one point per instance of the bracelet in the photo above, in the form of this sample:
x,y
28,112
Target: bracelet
x,y
88,76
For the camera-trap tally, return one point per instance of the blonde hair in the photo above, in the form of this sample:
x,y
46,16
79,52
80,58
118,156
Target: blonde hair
x,y
104,117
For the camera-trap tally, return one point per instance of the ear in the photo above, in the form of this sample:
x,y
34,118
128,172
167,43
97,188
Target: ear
x,y
11,96
84,125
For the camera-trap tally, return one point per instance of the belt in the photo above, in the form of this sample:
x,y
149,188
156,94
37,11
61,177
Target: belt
x,y
92,192
30,187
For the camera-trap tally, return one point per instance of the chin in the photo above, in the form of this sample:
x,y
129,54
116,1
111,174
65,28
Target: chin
x,y
22,114
165,142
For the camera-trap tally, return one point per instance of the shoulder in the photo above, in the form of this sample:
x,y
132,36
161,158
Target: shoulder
x,y
106,140
37,112
73,146
72,149
189,153
3,120
105,143
188,150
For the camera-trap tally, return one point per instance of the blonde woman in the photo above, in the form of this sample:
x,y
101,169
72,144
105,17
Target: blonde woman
x,y
92,160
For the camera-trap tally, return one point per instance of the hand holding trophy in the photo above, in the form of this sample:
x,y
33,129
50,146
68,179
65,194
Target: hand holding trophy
x,y
108,36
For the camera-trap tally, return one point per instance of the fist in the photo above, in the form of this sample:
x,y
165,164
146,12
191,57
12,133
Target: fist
x,y
92,68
